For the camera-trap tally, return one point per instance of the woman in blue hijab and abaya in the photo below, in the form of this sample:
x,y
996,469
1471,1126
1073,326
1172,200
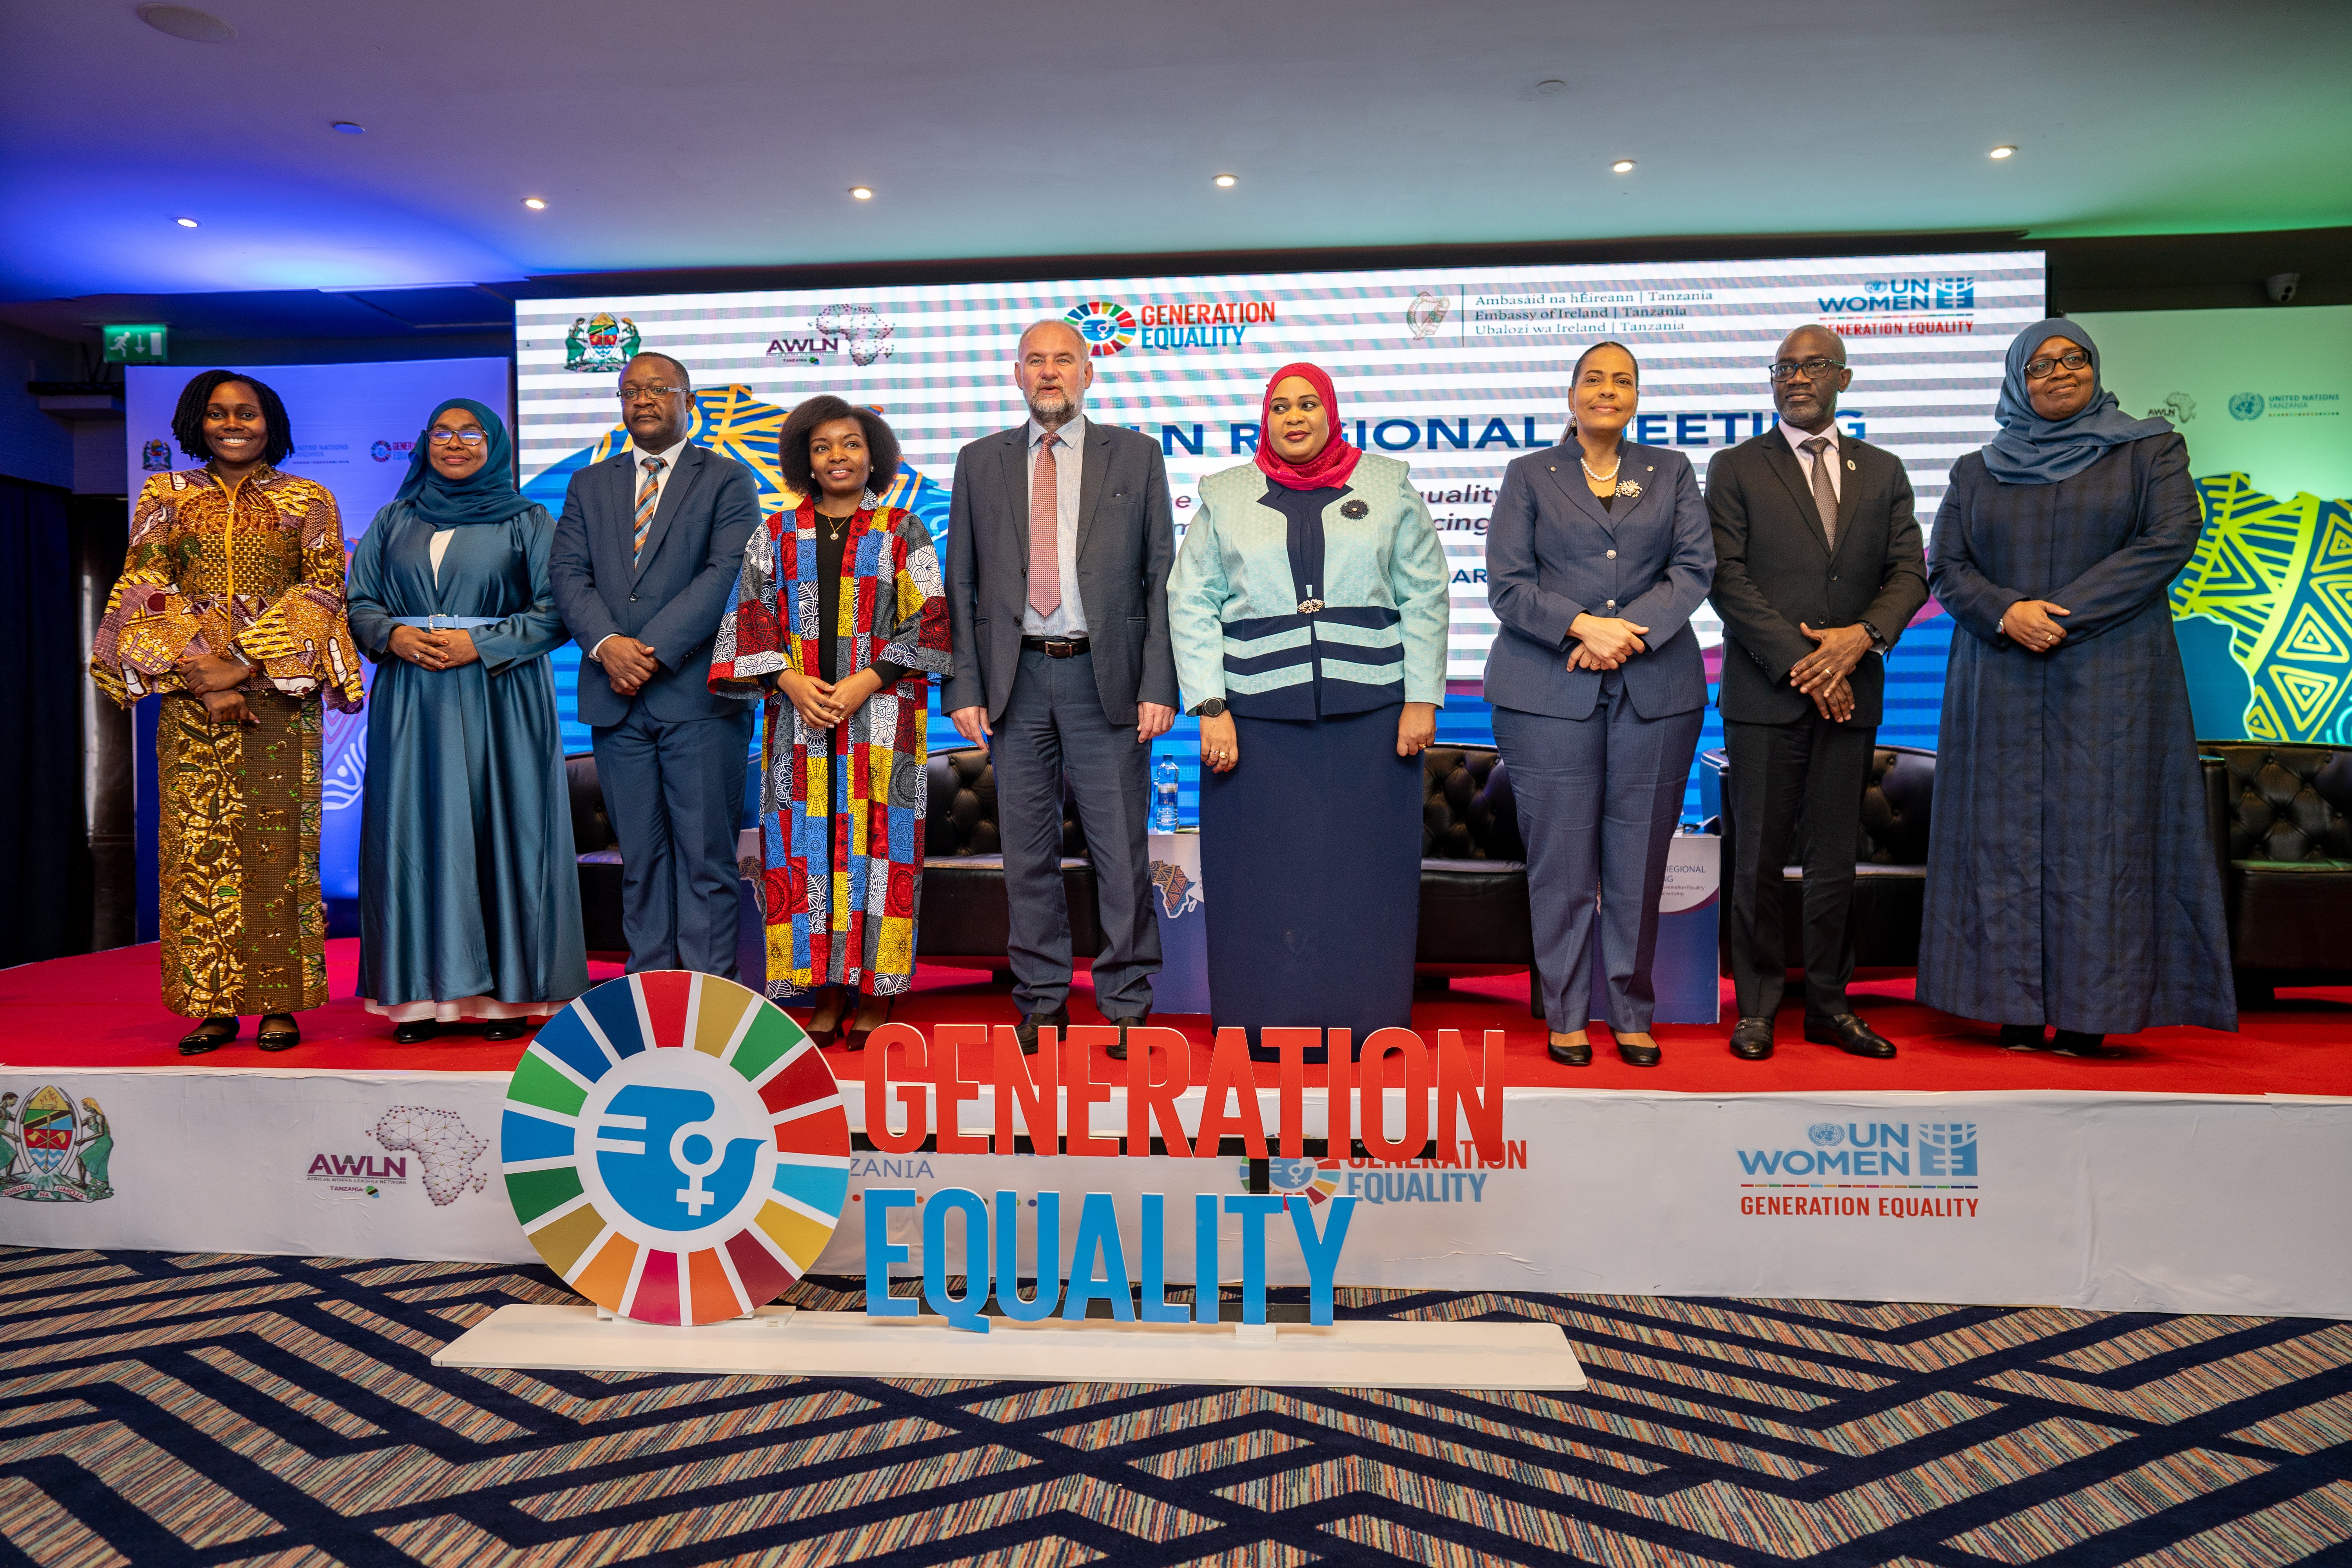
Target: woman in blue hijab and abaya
x,y
2072,881
469,888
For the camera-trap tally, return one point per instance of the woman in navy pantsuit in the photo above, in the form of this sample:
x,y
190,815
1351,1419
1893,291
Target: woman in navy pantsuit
x,y
1598,552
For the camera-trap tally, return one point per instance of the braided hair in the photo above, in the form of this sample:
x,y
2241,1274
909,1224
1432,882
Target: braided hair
x,y
188,418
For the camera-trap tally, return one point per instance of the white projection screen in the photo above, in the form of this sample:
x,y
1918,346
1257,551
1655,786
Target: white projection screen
x,y
1456,370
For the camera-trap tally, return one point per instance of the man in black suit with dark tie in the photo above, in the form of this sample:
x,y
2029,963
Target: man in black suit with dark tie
x,y
1818,571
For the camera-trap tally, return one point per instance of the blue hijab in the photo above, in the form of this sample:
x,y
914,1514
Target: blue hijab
x,y
486,495
2032,450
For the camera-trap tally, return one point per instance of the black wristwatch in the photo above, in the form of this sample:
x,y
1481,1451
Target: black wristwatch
x,y
1877,641
1215,707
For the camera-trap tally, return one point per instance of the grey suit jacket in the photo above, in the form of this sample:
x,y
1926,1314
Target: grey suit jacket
x,y
1774,569
1552,554
1126,542
673,596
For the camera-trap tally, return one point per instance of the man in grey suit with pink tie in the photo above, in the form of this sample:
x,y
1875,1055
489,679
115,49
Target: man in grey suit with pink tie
x,y
1059,551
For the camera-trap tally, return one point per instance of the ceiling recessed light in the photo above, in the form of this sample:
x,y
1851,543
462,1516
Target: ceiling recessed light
x,y
1621,166
861,193
187,22
534,204
1226,182
350,127
2003,150
186,221
1551,85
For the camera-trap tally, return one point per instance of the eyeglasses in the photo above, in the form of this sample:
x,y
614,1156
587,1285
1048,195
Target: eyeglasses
x,y
631,391
1812,369
471,437
2037,369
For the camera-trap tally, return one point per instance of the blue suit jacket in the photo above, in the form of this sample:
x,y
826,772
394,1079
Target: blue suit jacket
x,y
1552,554
673,596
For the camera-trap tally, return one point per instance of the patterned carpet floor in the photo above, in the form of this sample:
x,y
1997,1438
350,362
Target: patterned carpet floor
x,y
208,1409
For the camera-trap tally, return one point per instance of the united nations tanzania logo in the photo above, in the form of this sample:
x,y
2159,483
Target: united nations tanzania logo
x,y
600,342
1107,325
2246,406
155,458
51,1151
676,1148
1425,314
1825,1134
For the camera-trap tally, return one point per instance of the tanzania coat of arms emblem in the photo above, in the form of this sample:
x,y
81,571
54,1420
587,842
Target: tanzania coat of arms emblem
x,y
600,342
52,1153
154,458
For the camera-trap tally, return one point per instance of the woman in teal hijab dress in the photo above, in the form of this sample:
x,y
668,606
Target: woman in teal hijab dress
x,y
469,888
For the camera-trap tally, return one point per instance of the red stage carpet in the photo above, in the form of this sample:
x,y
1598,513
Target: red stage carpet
x,y
100,1010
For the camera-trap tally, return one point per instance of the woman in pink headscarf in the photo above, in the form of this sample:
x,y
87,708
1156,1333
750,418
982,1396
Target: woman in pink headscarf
x,y
1308,612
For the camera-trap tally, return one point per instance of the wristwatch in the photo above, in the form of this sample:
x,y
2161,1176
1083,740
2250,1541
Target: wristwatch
x,y
1215,707
1877,641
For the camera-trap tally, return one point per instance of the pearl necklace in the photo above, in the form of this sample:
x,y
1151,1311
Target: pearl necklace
x,y
1595,474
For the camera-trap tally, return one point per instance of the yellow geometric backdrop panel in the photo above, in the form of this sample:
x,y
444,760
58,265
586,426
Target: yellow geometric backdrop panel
x,y
2277,575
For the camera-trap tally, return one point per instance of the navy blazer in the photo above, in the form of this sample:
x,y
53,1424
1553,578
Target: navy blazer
x,y
1552,554
673,596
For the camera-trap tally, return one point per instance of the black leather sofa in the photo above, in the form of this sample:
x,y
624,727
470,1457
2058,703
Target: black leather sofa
x,y
1890,894
2282,820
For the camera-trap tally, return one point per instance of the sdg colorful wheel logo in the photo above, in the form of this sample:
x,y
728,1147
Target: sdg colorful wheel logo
x,y
675,1148
1107,326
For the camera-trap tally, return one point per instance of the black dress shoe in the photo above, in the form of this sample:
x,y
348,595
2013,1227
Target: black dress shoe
x,y
1118,1048
1026,1031
1752,1039
1638,1055
280,1040
1850,1035
2022,1037
2073,1043
507,1029
854,1037
209,1036
416,1031
1579,1055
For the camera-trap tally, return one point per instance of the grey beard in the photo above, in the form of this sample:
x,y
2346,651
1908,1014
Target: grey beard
x,y
1054,418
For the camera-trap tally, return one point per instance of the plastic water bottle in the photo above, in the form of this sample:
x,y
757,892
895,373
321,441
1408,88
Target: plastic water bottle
x,y
1163,793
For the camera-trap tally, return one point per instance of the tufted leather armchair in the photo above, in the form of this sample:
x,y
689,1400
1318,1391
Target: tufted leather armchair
x,y
1890,891
2282,818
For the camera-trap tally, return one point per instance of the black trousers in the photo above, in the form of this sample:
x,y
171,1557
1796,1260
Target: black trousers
x,y
1795,796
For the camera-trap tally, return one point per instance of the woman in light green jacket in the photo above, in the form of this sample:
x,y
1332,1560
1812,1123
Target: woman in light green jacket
x,y
1308,612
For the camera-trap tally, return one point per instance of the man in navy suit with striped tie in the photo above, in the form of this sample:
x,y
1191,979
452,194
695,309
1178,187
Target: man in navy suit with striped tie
x,y
644,561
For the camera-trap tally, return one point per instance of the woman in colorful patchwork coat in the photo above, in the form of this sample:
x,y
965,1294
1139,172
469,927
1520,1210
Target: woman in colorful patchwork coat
x,y
838,618
231,606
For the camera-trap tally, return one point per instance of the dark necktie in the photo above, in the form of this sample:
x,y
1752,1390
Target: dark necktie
x,y
1825,492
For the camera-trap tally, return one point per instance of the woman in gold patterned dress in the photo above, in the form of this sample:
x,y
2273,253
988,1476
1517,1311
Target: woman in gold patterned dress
x,y
231,607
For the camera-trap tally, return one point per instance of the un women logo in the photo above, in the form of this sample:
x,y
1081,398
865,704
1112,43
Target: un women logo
x,y
676,1148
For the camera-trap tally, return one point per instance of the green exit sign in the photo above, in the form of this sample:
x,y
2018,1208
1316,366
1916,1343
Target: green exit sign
x,y
136,344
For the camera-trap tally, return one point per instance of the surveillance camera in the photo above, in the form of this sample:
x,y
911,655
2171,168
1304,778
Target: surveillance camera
x,y
2280,287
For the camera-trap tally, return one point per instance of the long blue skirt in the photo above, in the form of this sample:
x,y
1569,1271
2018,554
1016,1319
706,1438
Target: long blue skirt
x,y
1310,872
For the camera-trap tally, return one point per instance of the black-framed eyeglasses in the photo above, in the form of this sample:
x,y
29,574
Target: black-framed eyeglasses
x,y
471,437
2039,369
631,391
1812,369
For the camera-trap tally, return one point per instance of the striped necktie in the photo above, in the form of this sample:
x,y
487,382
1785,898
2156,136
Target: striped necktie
x,y
648,497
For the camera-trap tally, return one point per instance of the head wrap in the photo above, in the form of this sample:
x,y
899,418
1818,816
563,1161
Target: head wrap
x,y
486,495
2032,450
1330,467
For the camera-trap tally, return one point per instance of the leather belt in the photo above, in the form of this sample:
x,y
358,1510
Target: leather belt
x,y
1056,647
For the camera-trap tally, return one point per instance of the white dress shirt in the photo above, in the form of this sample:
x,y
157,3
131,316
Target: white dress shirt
x,y
1797,439
669,454
1069,616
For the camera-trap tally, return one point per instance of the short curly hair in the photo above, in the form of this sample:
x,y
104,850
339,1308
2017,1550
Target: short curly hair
x,y
793,443
188,418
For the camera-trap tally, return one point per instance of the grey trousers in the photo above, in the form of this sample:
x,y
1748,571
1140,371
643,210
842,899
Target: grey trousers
x,y
1053,729
675,791
1598,801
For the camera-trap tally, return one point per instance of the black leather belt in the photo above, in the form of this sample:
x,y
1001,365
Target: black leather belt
x,y
1056,647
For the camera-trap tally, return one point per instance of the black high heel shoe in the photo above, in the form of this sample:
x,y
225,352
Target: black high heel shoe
x,y
829,1036
209,1036
856,1039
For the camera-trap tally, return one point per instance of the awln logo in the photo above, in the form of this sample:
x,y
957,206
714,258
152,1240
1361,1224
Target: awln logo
x,y
1865,1170
377,1168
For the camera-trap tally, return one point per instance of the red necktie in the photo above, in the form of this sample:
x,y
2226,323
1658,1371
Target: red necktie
x,y
1045,524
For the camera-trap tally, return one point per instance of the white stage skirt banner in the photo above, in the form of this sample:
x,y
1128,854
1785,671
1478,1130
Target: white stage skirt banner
x,y
2120,1202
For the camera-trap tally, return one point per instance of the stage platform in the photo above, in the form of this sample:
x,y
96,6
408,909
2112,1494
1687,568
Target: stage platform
x,y
2201,1172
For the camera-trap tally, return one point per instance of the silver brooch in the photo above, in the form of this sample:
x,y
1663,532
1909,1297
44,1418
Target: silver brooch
x,y
1628,488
